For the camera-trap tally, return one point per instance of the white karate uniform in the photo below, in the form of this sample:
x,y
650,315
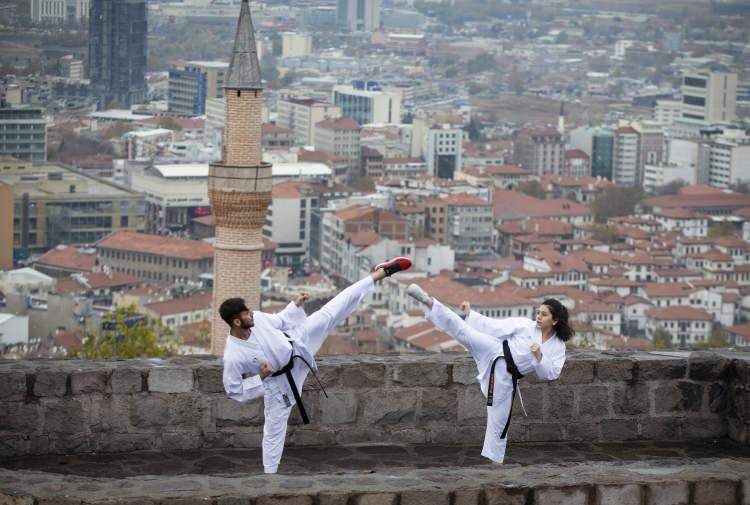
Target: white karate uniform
x,y
483,338
268,344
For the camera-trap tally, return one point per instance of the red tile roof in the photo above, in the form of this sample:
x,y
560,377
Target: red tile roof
x,y
272,128
679,313
157,244
626,130
344,123
363,238
68,258
177,306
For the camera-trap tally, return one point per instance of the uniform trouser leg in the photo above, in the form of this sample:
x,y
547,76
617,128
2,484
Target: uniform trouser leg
x,y
497,417
320,324
479,344
274,432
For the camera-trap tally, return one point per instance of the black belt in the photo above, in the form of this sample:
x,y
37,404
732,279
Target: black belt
x,y
512,369
287,370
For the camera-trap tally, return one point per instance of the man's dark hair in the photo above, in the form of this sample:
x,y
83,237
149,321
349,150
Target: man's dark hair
x,y
231,308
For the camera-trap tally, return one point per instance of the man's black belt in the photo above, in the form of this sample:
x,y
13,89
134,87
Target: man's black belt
x,y
515,374
287,370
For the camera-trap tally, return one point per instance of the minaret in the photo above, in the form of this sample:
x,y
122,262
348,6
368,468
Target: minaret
x,y
239,186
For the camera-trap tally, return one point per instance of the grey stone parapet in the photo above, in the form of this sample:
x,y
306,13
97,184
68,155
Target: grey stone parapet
x,y
76,407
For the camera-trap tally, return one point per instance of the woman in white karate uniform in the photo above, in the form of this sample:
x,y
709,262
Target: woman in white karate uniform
x,y
513,346
270,355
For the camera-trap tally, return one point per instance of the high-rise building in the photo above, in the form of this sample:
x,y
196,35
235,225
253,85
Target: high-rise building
x,y
667,111
117,50
598,143
443,147
23,133
70,68
194,82
367,103
540,151
341,137
626,156
729,161
709,94
295,44
358,15
239,186
302,114
60,12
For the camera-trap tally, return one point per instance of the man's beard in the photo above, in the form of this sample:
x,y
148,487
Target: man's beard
x,y
246,326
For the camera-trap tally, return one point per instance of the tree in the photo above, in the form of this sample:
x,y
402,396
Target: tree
x,y
604,233
721,229
126,334
170,123
481,63
532,188
741,187
662,338
670,188
616,201
717,339
473,130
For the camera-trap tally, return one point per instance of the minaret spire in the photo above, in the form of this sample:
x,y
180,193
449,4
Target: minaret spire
x,y
244,69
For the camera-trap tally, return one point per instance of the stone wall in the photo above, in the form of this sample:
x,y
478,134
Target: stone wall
x,y
64,407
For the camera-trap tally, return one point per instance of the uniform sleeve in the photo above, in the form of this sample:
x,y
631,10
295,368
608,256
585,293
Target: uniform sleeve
x,y
288,318
239,389
552,362
499,328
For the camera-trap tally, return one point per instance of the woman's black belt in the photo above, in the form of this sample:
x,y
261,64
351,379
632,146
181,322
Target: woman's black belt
x,y
515,374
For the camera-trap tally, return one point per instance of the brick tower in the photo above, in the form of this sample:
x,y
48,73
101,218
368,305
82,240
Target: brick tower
x,y
239,186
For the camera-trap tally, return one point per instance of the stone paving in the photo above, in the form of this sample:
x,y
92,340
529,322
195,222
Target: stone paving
x,y
221,476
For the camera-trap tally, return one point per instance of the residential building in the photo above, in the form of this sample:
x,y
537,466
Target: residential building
x,y
463,222
276,137
59,12
358,15
156,258
63,261
729,159
709,94
656,176
577,164
54,204
540,151
23,133
626,156
301,116
598,143
295,44
667,112
404,166
71,68
372,164
367,104
192,83
288,222
686,325
443,150
341,137
117,50
181,311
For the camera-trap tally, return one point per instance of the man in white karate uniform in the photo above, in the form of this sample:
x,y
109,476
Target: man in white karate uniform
x,y
270,355
521,346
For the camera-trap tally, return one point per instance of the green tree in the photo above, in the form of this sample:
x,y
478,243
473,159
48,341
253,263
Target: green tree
x,y
532,188
473,130
481,63
717,339
126,335
662,338
616,201
721,229
604,233
670,188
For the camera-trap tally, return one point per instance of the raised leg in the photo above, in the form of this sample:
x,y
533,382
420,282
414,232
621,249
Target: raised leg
x,y
479,344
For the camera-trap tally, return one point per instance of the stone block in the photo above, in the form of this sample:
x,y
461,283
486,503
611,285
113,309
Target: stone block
x,y
333,498
20,417
39,445
170,380
745,492
233,413
180,441
311,399
562,495
593,401
409,436
560,402
363,375
149,410
390,407
618,494
467,497
660,428
63,416
76,443
108,413
474,404
50,382
738,371
15,500
497,495
12,385
284,500
59,500
12,446
210,378
233,500
425,498
618,430
439,404
717,397
190,411
678,396
703,427
427,373
661,369
84,382
577,371
124,442
533,400
668,493
543,432
193,500
461,435
303,437
126,380
715,492
329,376
357,435
614,370
464,372
582,431
707,367
631,400
339,407
376,499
